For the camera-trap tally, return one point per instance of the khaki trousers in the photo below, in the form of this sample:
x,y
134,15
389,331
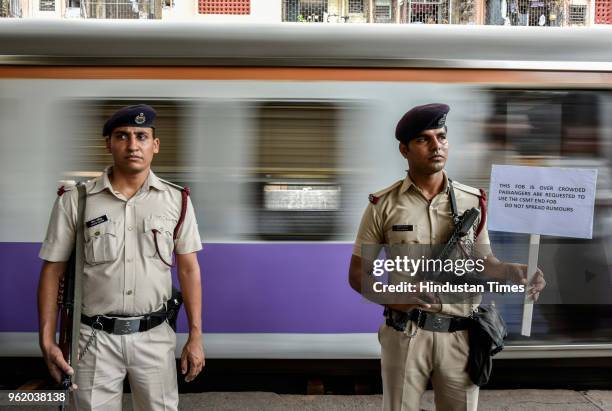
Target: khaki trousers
x,y
408,363
147,358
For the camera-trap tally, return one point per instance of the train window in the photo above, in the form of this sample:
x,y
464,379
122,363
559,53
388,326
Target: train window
x,y
297,191
548,122
87,149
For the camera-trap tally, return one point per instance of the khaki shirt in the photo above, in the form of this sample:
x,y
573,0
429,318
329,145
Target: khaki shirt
x,y
123,274
403,204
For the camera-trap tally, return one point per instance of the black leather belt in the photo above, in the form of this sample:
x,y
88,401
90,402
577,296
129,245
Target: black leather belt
x,y
122,326
426,320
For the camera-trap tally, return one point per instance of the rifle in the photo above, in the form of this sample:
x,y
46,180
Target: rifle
x,y
70,301
462,226
66,331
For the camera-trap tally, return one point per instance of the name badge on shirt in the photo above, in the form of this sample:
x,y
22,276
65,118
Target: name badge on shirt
x,y
402,227
96,221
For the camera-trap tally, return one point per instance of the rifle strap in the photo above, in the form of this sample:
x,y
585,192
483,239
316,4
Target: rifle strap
x,y
453,201
483,212
78,273
482,200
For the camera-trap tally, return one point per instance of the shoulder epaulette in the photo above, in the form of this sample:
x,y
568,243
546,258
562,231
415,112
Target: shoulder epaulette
x,y
184,195
467,189
178,187
65,185
482,202
374,197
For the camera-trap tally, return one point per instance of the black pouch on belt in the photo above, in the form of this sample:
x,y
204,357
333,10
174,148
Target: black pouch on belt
x,y
174,306
487,331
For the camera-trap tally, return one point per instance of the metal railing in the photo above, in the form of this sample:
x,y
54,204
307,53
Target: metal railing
x,y
121,9
493,12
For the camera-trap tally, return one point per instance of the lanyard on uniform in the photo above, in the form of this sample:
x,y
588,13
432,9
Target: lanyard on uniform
x,y
184,198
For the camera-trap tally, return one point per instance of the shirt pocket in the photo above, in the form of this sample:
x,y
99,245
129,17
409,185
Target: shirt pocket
x,y
402,241
101,243
160,229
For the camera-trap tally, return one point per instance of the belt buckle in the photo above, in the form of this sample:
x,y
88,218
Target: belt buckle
x,y
123,326
437,323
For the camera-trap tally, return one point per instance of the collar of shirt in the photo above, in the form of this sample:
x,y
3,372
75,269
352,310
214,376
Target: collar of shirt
x,y
409,183
103,182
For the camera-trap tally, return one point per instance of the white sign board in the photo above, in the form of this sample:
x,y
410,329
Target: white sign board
x,y
542,200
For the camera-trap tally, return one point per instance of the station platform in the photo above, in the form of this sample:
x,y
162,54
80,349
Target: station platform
x,y
494,400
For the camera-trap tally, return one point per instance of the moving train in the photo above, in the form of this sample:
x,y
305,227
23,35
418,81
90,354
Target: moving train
x,y
281,132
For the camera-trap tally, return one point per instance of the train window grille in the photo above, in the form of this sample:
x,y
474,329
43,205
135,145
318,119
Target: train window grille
x,y
47,5
355,6
311,11
296,188
224,7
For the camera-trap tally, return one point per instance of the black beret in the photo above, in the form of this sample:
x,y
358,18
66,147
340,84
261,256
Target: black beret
x,y
421,118
140,115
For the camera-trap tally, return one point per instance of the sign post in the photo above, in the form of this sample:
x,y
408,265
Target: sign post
x,y
541,201
532,266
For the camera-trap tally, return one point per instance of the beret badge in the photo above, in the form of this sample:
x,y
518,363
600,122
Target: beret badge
x,y
140,119
442,121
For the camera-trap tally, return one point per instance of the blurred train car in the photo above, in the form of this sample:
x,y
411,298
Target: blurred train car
x,y
281,131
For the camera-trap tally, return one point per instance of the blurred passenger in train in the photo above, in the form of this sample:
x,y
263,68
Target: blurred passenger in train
x,y
134,222
426,338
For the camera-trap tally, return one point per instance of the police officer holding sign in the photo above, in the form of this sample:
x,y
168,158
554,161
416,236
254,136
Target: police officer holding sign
x,y
130,220
432,341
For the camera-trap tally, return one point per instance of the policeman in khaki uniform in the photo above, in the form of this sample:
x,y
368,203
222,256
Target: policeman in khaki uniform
x,y
129,221
426,338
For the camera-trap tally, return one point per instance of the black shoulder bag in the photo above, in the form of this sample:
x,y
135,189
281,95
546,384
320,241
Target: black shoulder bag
x,y
487,331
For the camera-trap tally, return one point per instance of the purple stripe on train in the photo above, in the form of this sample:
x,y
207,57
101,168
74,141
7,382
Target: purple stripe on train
x,y
248,288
